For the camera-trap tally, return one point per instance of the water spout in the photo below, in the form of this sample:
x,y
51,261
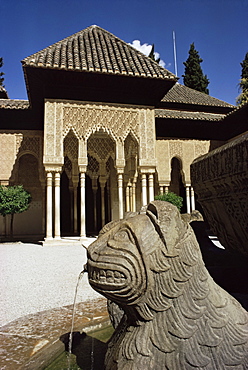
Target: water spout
x,y
73,314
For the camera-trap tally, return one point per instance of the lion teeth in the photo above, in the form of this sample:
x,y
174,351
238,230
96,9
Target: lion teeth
x,y
108,276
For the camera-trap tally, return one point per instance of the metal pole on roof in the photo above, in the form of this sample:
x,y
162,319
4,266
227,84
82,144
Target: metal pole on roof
x,y
175,52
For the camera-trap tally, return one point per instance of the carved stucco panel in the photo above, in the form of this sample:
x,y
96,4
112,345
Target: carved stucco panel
x,y
86,118
59,131
9,144
163,161
49,127
31,144
185,150
53,140
201,147
176,149
147,139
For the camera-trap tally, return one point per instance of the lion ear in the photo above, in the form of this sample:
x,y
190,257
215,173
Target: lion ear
x,y
153,209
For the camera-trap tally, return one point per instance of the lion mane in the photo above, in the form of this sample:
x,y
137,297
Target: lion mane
x,y
175,316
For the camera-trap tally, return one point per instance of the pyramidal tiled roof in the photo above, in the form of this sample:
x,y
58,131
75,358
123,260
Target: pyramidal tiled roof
x,y
96,50
183,94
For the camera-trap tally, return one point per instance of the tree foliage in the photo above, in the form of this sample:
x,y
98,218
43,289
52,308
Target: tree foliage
x,y
243,85
1,73
172,198
152,55
13,199
193,76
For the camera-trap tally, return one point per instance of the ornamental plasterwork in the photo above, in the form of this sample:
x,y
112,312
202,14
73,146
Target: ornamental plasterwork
x,y
176,149
87,118
130,147
201,147
31,144
71,146
101,147
93,167
7,155
68,167
14,145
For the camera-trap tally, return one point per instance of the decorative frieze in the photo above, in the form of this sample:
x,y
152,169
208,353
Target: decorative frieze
x,y
87,118
84,119
220,179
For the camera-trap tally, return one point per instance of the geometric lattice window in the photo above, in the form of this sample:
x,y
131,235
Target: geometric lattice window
x,y
71,146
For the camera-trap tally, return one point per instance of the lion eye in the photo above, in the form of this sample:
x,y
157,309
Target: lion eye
x,y
122,235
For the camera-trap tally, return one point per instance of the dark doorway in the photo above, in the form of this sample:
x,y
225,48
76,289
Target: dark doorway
x,y
65,206
176,185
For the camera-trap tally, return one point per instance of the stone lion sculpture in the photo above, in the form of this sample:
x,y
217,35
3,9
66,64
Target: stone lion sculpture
x,y
175,316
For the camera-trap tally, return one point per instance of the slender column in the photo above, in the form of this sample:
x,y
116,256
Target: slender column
x,y
144,189
161,190
120,194
134,195
151,187
102,184
192,199
94,188
43,208
57,206
128,198
108,202
49,207
75,213
82,204
187,199
166,189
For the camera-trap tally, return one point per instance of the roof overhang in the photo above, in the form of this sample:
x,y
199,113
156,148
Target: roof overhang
x,y
91,86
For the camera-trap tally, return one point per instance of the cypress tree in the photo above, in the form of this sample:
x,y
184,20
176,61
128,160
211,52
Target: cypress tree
x,y
243,85
193,76
152,55
1,73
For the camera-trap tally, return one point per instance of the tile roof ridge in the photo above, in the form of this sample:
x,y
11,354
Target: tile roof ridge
x,y
159,70
211,99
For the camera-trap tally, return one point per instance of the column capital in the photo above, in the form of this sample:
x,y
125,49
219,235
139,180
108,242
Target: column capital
x,y
53,168
120,163
120,170
82,168
147,170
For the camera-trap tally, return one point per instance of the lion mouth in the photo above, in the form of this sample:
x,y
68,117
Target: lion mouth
x,y
108,277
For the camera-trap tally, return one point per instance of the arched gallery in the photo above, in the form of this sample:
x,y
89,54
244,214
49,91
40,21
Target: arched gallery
x,y
104,130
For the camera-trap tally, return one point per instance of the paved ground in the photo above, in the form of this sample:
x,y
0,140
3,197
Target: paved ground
x,y
37,287
36,278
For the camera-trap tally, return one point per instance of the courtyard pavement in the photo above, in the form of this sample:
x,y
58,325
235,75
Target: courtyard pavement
x,y
37,290
36,278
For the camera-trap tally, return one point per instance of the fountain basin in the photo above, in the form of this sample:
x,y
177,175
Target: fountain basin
x,y
32,342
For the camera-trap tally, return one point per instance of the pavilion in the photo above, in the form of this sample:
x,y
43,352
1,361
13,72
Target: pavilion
x,y
105,128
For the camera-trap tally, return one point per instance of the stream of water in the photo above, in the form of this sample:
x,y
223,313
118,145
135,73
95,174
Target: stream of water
x,y
73,317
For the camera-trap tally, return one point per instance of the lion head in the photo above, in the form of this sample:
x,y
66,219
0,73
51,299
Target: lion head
x,y
175,316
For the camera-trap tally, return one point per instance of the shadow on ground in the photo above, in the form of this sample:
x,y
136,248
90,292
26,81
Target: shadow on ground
x,y
228,269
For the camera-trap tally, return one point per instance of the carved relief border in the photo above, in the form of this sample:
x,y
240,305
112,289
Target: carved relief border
x,y
85,118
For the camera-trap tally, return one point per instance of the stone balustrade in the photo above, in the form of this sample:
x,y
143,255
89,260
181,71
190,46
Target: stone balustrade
x,y
220,179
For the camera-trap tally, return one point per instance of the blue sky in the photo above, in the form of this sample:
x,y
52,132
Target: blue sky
x,y
219,29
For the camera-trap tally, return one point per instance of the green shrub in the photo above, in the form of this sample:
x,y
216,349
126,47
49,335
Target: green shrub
x,y
13,199
172,198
